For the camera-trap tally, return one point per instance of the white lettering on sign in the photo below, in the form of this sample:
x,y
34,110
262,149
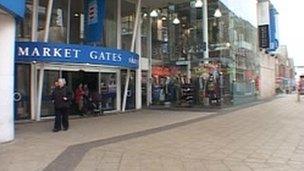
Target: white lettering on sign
x,y
57,52
76,52
35,52
48,52
105,56
133,61
72,54
23,52
67,53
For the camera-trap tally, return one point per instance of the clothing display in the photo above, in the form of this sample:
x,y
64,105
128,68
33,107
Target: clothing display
x,y
187,95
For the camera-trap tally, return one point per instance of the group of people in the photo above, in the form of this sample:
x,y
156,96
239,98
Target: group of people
x,y
63,99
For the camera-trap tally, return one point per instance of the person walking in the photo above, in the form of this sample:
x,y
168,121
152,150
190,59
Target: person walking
x,y
62,97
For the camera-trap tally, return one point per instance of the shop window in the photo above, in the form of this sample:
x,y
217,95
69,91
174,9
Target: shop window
x,y
22,92
58,24
24,27
127,22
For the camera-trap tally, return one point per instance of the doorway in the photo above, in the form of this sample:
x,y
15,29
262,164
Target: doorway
x,y
99,81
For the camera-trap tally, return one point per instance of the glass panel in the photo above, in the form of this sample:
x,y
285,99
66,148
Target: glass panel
x,y
111,24
127,23
108,89
47,106
24,27
233,40
131,91
145,33
144,86
58,22
23,89
77,21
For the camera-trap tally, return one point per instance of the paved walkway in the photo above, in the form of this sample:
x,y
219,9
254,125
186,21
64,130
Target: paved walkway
x,y
268,136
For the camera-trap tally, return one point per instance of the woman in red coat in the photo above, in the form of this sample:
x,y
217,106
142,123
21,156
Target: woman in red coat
x,y
79,96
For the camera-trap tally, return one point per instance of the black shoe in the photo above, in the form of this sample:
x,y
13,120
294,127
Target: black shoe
x,y
65,129
56,130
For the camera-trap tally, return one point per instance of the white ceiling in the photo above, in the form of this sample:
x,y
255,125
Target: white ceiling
x,y
160,3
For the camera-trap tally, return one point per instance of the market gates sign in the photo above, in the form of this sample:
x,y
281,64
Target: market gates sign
x,y
68,53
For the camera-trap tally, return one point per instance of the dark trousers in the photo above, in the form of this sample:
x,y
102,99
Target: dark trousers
x,y
61,117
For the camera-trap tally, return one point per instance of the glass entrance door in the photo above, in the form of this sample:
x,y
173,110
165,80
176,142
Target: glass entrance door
x,y
47,106
22,92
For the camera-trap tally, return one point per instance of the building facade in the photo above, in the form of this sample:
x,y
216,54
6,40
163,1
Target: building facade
x,y
285,71
182,75
267,75
137,53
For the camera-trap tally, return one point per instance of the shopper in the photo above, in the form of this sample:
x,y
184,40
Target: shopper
x,y
79,98
62,100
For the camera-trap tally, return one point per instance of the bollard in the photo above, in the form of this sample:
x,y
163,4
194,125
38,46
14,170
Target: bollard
x,y
298,99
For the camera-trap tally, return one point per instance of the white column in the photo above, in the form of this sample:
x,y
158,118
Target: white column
x,y
136,23
40,86
118,91
7,48
48,20
34,33
34,38
138,91
33,91
118,24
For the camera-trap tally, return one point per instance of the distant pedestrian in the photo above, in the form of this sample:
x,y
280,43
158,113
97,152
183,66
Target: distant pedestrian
x,y
62,100
79,97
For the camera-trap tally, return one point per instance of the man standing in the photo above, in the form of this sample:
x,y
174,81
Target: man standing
x,y
62,98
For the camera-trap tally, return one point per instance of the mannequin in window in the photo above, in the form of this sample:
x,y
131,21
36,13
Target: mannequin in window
x,y
211,88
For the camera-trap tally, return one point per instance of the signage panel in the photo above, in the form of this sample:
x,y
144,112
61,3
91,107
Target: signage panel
x,y
67,53
264,36
94,21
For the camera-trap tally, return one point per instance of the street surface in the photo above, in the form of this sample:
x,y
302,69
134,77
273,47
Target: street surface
x,y
265,136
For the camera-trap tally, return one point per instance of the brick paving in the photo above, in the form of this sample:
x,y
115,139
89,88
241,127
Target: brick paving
x,y
268,136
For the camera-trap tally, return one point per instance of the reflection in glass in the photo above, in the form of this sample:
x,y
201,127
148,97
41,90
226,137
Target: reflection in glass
x,y
22,87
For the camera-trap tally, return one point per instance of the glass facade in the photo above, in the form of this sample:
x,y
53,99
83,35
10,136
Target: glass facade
x,y
181,75
67,26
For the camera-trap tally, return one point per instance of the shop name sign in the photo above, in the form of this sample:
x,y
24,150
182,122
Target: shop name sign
x,y
67,53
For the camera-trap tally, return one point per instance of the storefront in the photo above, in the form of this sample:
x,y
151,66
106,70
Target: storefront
x,y
85,25
188,55
173,37
187,71
39,65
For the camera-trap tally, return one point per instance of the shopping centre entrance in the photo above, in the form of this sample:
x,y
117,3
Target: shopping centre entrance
x,y
100,87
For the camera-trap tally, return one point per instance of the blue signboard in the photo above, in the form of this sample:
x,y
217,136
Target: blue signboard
x,y
14,7
94,21
273,31
67,53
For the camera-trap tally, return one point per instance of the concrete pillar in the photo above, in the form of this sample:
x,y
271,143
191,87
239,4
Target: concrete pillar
x,y
7,48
